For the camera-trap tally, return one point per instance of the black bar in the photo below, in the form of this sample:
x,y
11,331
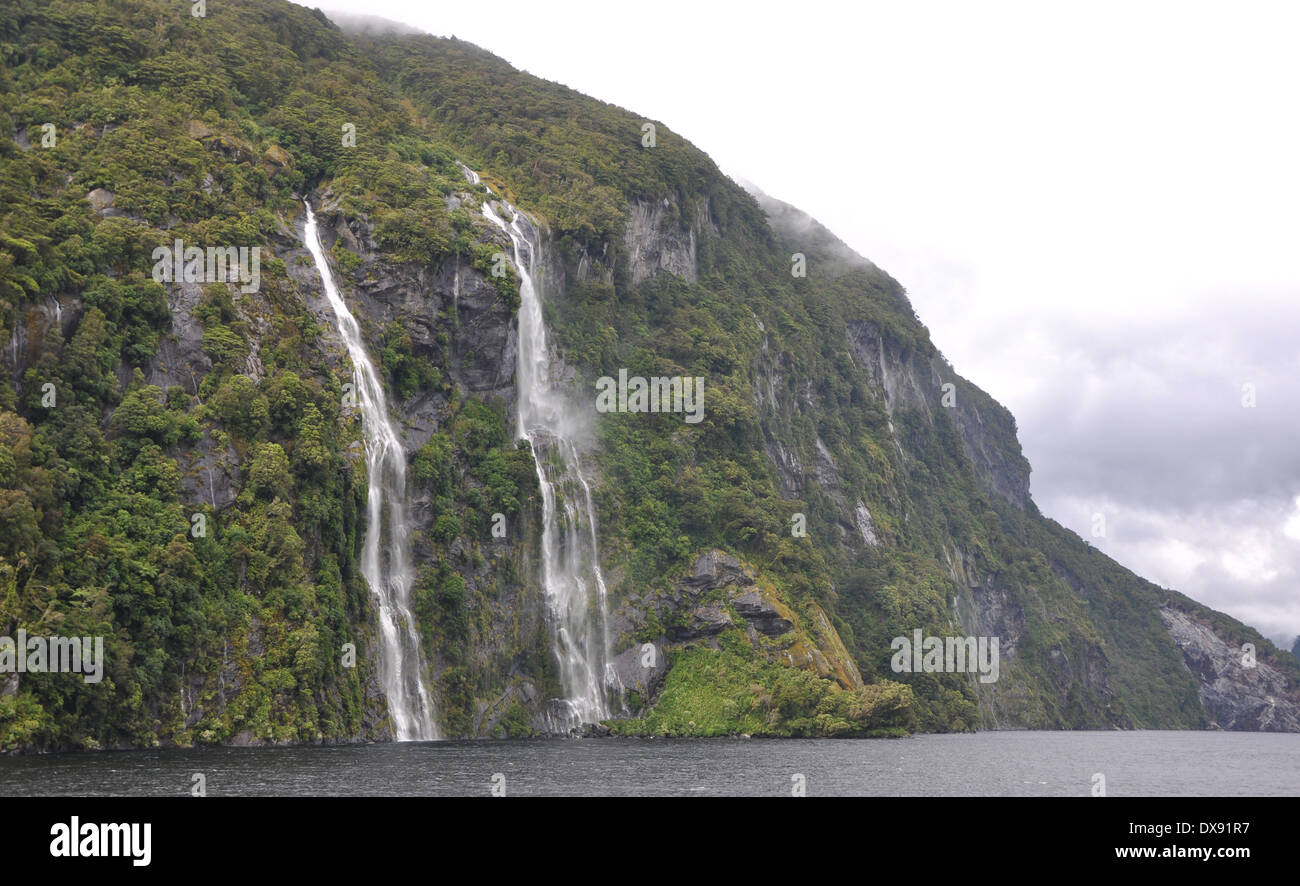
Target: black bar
x,y
436,837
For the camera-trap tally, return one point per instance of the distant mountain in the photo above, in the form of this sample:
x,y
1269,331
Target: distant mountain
x,y
182,470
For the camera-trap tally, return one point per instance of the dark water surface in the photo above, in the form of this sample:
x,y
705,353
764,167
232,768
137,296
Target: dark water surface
x,y
984,764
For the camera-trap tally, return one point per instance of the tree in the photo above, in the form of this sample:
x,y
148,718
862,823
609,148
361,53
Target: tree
x,y
446,528
241,407
268,476
432,466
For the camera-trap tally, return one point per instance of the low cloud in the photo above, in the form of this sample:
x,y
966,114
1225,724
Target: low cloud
x,y
1147,423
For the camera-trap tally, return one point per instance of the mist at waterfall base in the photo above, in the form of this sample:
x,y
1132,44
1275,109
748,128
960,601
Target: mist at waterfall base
x,y
571,576
385,558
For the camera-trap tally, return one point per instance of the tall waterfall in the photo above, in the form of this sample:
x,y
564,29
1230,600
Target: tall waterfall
x,y
385,560
571,576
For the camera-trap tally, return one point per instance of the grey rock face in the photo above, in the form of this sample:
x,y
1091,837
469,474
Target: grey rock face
x,y
988,435
210,475
100,199
1078,674
986,428
865,524
703,621
760,613
1235,696
451,298
716,568
789,467
180,359
991,611
36,321
656,240
641,669
459,323
696,619
489,715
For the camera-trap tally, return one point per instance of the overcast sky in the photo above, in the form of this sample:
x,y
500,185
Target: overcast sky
x,y
1094,207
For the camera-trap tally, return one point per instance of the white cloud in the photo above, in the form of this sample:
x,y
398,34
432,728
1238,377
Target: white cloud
x,y
1291,529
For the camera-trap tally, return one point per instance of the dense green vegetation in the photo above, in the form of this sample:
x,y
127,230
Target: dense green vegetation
x,y
203,511
672,490
727,691
203,130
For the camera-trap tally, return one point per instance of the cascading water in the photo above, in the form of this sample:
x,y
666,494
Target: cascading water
x,y
571,576
385,560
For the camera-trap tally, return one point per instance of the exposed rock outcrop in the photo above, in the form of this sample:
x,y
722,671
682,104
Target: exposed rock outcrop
x,y
641,668
1236,692
657,240
718,592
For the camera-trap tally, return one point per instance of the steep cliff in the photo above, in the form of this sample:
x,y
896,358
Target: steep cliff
x,y
843,488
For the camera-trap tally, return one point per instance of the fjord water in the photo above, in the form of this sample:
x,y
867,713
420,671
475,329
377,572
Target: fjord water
x,y
385,559
571,577
1060,764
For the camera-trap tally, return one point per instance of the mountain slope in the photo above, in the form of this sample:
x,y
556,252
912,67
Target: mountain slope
x,y
824,398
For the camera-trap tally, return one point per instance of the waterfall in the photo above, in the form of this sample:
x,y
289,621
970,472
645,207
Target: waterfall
x,y
571,577
385,559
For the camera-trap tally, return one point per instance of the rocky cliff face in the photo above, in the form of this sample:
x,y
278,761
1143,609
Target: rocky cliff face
x,y
455,318
721,592
1236,691
844,488
457,321
1061,661
658,238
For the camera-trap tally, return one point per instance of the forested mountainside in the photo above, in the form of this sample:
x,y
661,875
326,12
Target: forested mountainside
x,y
182,470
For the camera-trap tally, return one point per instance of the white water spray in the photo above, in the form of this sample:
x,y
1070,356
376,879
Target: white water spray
x,y
571,577
385,560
